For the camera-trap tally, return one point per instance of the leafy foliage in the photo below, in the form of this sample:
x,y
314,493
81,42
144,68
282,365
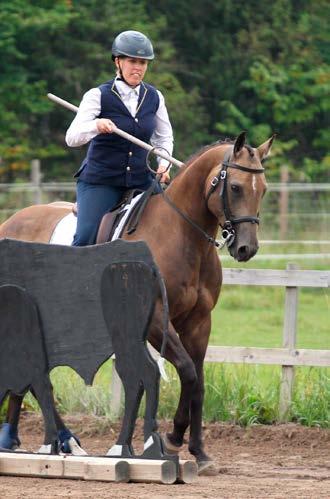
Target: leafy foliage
x,y
223,67
262,68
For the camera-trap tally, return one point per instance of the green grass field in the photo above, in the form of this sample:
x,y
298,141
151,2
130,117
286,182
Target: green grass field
x,y
253,315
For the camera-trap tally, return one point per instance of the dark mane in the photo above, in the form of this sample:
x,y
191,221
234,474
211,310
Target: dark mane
x,y
206,148
203,149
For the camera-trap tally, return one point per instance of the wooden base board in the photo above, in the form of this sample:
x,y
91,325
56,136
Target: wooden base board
x,y
96,468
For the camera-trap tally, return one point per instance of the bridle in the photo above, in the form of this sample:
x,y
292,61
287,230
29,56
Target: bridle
x,y
228,231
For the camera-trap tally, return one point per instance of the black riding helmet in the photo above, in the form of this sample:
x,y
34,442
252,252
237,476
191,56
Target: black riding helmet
x,y
132,44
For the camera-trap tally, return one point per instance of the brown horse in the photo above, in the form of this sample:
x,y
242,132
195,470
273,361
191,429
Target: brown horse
x,y
222,184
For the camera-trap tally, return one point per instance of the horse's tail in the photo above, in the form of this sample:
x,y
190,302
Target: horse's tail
x,y
163,292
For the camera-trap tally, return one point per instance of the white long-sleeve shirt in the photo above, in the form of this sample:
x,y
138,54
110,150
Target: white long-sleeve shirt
x,y
83,127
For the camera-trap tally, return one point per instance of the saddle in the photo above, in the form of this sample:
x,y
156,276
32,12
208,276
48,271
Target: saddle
x,y
112,219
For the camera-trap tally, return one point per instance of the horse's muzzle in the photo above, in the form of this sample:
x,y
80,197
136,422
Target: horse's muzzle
x,y
243,252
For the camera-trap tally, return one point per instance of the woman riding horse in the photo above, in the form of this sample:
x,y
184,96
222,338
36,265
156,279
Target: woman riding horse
x,y
113,165
222,184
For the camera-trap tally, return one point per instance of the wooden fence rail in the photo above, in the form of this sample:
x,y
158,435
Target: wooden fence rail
x,y
288,356
36,191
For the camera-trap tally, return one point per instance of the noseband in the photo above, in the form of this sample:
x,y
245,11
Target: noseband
x,y
228,231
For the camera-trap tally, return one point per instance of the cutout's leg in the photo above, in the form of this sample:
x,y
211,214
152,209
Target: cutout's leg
x,y
151,386
154,447
133,396
43,392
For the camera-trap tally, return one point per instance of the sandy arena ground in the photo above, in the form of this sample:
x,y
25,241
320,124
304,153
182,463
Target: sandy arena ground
x,y
284,461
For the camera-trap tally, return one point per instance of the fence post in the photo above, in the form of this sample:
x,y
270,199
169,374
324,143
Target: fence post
x,y
284,202
289,341
36,181
116,392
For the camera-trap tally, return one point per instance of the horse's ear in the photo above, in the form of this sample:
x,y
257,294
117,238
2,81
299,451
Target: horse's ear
x,y
239,142
265,148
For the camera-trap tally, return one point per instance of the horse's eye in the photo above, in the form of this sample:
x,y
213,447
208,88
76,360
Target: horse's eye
x,y
235,188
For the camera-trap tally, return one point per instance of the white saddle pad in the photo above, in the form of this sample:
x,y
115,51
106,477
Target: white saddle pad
x,y
66,227
64,230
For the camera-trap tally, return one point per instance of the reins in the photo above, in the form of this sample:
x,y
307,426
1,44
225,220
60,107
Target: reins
x,y
209,238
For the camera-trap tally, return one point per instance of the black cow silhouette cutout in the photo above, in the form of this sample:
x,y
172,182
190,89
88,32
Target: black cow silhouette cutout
x,y
74,306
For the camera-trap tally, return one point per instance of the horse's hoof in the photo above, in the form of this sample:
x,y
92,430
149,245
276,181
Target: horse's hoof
x,y
70,444
171,448
207,468
75,448
8,437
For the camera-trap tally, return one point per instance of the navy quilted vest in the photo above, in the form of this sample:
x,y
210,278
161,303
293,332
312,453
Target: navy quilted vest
x,y
110,158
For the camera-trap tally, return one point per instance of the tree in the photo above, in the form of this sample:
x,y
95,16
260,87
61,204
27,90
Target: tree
x,y
23,27
223,67
260,67
64,47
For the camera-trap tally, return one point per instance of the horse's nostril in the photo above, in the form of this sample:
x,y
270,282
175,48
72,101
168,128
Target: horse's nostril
x,y
246,252
243,251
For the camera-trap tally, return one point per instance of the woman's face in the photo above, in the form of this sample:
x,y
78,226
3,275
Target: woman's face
x,y
133,69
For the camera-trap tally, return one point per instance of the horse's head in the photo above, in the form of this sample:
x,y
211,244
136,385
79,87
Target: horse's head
x,y
239,183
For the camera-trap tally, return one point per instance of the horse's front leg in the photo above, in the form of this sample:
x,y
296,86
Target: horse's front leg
x,y
195,339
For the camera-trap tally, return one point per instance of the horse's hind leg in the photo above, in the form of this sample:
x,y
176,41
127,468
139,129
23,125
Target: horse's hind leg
x,y
69,443
2,397
178,356
9,430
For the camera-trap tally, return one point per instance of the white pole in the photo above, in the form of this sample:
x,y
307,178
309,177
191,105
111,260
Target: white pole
x,y
123,134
